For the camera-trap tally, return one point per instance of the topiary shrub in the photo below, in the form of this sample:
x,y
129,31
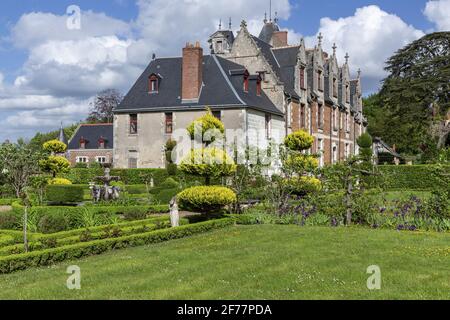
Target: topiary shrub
x,y
299,140
59,181
206,199
208,163
172,169
304,185
53,223
64,194
169,183
207,122
54,146
55,165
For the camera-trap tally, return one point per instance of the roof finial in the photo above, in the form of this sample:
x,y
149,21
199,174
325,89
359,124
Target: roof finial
x,y
276,17
359,73
265,17
244,24
320,37
220,24
270,11
153,56
229,24
334,49
346,57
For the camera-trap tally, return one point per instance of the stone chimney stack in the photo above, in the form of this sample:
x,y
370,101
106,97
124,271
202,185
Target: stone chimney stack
x,y
280,39
192,72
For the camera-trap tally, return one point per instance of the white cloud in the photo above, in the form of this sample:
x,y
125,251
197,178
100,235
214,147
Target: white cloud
x,y
370,37
164,26
36,28
438,12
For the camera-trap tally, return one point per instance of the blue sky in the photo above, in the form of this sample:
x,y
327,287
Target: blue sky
x,y
49,74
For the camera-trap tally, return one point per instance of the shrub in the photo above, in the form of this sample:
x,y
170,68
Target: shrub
x,y
208,162
61,194
172,169
55,165
55,146
303,185
6,201
417,177
299,140
53,223
59,181
204,124
206,198
169,183
9,220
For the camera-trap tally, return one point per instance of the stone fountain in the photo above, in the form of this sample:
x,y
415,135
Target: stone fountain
x,y
105,192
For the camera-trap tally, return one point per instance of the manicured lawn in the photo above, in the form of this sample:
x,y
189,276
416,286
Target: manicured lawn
x,y
255,262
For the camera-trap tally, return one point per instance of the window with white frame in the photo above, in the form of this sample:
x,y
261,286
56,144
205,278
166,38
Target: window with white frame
x,y
335,153
347,150
320,151
100,159
82,159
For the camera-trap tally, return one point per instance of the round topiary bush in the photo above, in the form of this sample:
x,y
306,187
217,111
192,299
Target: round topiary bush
x,y
304,185
64,194
59,181
205,199
299,140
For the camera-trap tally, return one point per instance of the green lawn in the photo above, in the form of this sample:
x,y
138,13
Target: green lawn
x,y
255,262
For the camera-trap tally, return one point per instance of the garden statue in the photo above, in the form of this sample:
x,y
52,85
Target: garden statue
x,y
174,216
105,192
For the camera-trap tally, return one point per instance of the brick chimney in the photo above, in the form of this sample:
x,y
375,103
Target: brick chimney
x,y
192,72
280,39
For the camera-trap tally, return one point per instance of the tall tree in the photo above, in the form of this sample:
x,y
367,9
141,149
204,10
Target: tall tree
x,y
103,106
415,96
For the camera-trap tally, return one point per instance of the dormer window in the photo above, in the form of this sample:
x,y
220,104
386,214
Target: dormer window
x,y
83,142
153,84
258,86
246,80
319,80
302,78
347,93
101,143
335,88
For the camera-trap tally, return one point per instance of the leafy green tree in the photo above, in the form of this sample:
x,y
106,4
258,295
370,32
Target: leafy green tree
x,y
365,143
414,101
55,165
37,142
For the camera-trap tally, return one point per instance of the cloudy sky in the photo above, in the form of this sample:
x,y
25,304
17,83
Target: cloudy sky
x,y
51,66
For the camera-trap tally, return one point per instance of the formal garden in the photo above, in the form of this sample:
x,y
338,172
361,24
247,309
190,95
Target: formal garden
x,y
50,213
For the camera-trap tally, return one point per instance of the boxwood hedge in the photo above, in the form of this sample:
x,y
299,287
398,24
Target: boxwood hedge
x,y
416,177
50,256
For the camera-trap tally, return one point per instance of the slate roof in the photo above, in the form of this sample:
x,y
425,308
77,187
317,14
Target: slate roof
x,y
221,89
92,133
267,31
266,50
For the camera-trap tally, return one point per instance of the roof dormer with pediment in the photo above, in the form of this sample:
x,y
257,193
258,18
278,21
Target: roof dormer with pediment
x,y
316,62
344,85
332,78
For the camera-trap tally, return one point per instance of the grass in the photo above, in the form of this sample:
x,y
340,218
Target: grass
x,y
255,262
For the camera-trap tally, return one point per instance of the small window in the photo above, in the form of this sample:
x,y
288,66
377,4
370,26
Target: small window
x,y
258,87
82,160
101,143
268,126
132,163
83,142
217,114
153,84
133,124
302,116
246,76
169,122
335,158
320,152
335,119
302,78
320,116
319,80
335,88
100,159
347,94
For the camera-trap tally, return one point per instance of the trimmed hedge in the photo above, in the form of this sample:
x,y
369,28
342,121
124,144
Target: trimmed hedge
x,y
60,194
127,176
50,256
416,177
7,201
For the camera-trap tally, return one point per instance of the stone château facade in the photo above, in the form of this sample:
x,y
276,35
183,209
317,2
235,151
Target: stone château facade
x,y
250,83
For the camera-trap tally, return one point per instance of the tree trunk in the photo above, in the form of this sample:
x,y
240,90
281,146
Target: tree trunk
x,y
348,200
25,237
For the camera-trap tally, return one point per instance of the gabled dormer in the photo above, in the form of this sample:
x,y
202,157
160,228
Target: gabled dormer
x,y
344,85
154,83
301,72
332,78
316,69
